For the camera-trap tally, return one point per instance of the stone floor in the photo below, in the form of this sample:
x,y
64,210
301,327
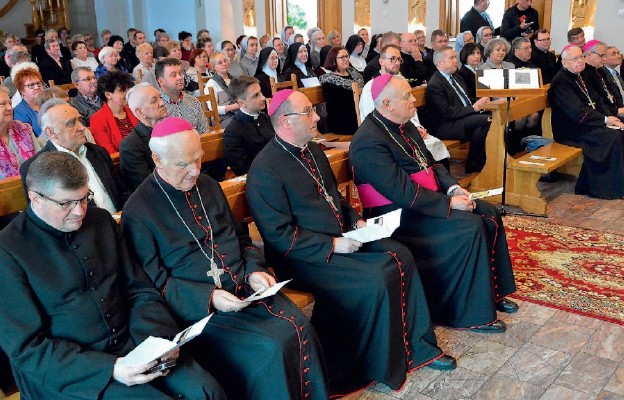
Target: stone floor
x,y
545,353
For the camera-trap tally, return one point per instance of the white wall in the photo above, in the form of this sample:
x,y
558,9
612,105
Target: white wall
x,y
608,24
348,19
391,16
559,24
13,22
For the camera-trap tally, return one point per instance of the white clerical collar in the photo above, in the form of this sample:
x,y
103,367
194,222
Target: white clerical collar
x,y
255,116
278,138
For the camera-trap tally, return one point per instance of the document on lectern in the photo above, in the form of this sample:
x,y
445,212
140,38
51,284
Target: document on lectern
x,y
376,228
154,348
521,78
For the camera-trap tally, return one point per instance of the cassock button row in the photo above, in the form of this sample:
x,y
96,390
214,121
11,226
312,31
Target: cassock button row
x,y
305,342
194,205
200,218
292,317
234,276
305,370
281,312
305,358
301,328
306,383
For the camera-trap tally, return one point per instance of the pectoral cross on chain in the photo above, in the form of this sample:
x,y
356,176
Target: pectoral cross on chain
x,y
215,273
592,104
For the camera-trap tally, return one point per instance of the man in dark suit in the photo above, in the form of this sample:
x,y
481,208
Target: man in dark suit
x,y
53,66
451,114
612,65
476,18
135,156
62,124
373,67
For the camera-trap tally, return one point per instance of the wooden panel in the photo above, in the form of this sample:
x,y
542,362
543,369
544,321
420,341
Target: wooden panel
x,y
330,16
12,197
314,94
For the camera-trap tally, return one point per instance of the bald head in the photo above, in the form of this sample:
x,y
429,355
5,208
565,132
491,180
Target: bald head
x,y
146,104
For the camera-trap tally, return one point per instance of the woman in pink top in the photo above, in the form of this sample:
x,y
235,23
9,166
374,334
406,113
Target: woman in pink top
x,y
16,139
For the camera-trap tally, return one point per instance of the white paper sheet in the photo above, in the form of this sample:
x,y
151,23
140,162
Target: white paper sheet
x,y
310,82
486,193
153,348
376,228
268,292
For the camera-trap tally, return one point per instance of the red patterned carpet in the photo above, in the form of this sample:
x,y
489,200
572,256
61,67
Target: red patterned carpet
x,y
573,269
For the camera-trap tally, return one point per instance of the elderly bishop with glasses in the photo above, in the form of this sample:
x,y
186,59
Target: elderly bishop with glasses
x,y
580,118
370,311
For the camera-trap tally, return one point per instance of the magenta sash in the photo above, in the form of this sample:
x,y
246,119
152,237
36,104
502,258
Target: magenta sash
x,y
372,198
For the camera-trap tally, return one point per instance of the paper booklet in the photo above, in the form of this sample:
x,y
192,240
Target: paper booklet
x,y
268,292
486,193
376,228
153,348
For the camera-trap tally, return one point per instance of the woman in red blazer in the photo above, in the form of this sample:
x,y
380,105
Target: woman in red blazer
x,y
114,121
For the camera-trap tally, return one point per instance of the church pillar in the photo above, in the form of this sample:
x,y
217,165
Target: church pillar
x,y
389,16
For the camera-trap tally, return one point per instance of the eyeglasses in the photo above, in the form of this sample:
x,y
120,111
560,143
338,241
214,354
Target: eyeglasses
x,y
87,79
34,85
542,40
307,112
600,54
68,205
394,59
575,59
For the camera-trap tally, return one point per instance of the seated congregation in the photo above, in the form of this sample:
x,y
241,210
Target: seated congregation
x,y
129,140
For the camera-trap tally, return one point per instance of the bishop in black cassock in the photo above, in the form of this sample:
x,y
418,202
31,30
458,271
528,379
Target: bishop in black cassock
x,y
267,350
370,311
581,119
462,256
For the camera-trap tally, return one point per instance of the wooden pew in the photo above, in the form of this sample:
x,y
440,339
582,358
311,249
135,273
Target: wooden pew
x,y
522,179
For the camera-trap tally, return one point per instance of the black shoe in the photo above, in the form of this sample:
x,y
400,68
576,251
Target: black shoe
x,y
507,306
497,326
444,363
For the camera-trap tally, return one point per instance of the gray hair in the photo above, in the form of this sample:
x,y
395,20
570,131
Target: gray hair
x,y
43,118
438,54
48,42
593,48
135,96
161,145
284,108
517,42
492,44
17,57
75,75
48,32
79,37
56,168
105,52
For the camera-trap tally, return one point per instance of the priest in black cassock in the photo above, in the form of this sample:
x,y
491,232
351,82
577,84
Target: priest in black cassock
x,y
250,129
181,229
459,244
370,311
581,119
74,303
595,76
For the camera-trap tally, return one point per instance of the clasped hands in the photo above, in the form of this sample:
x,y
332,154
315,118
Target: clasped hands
x,y
460,200
477,105
225,301
131,376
